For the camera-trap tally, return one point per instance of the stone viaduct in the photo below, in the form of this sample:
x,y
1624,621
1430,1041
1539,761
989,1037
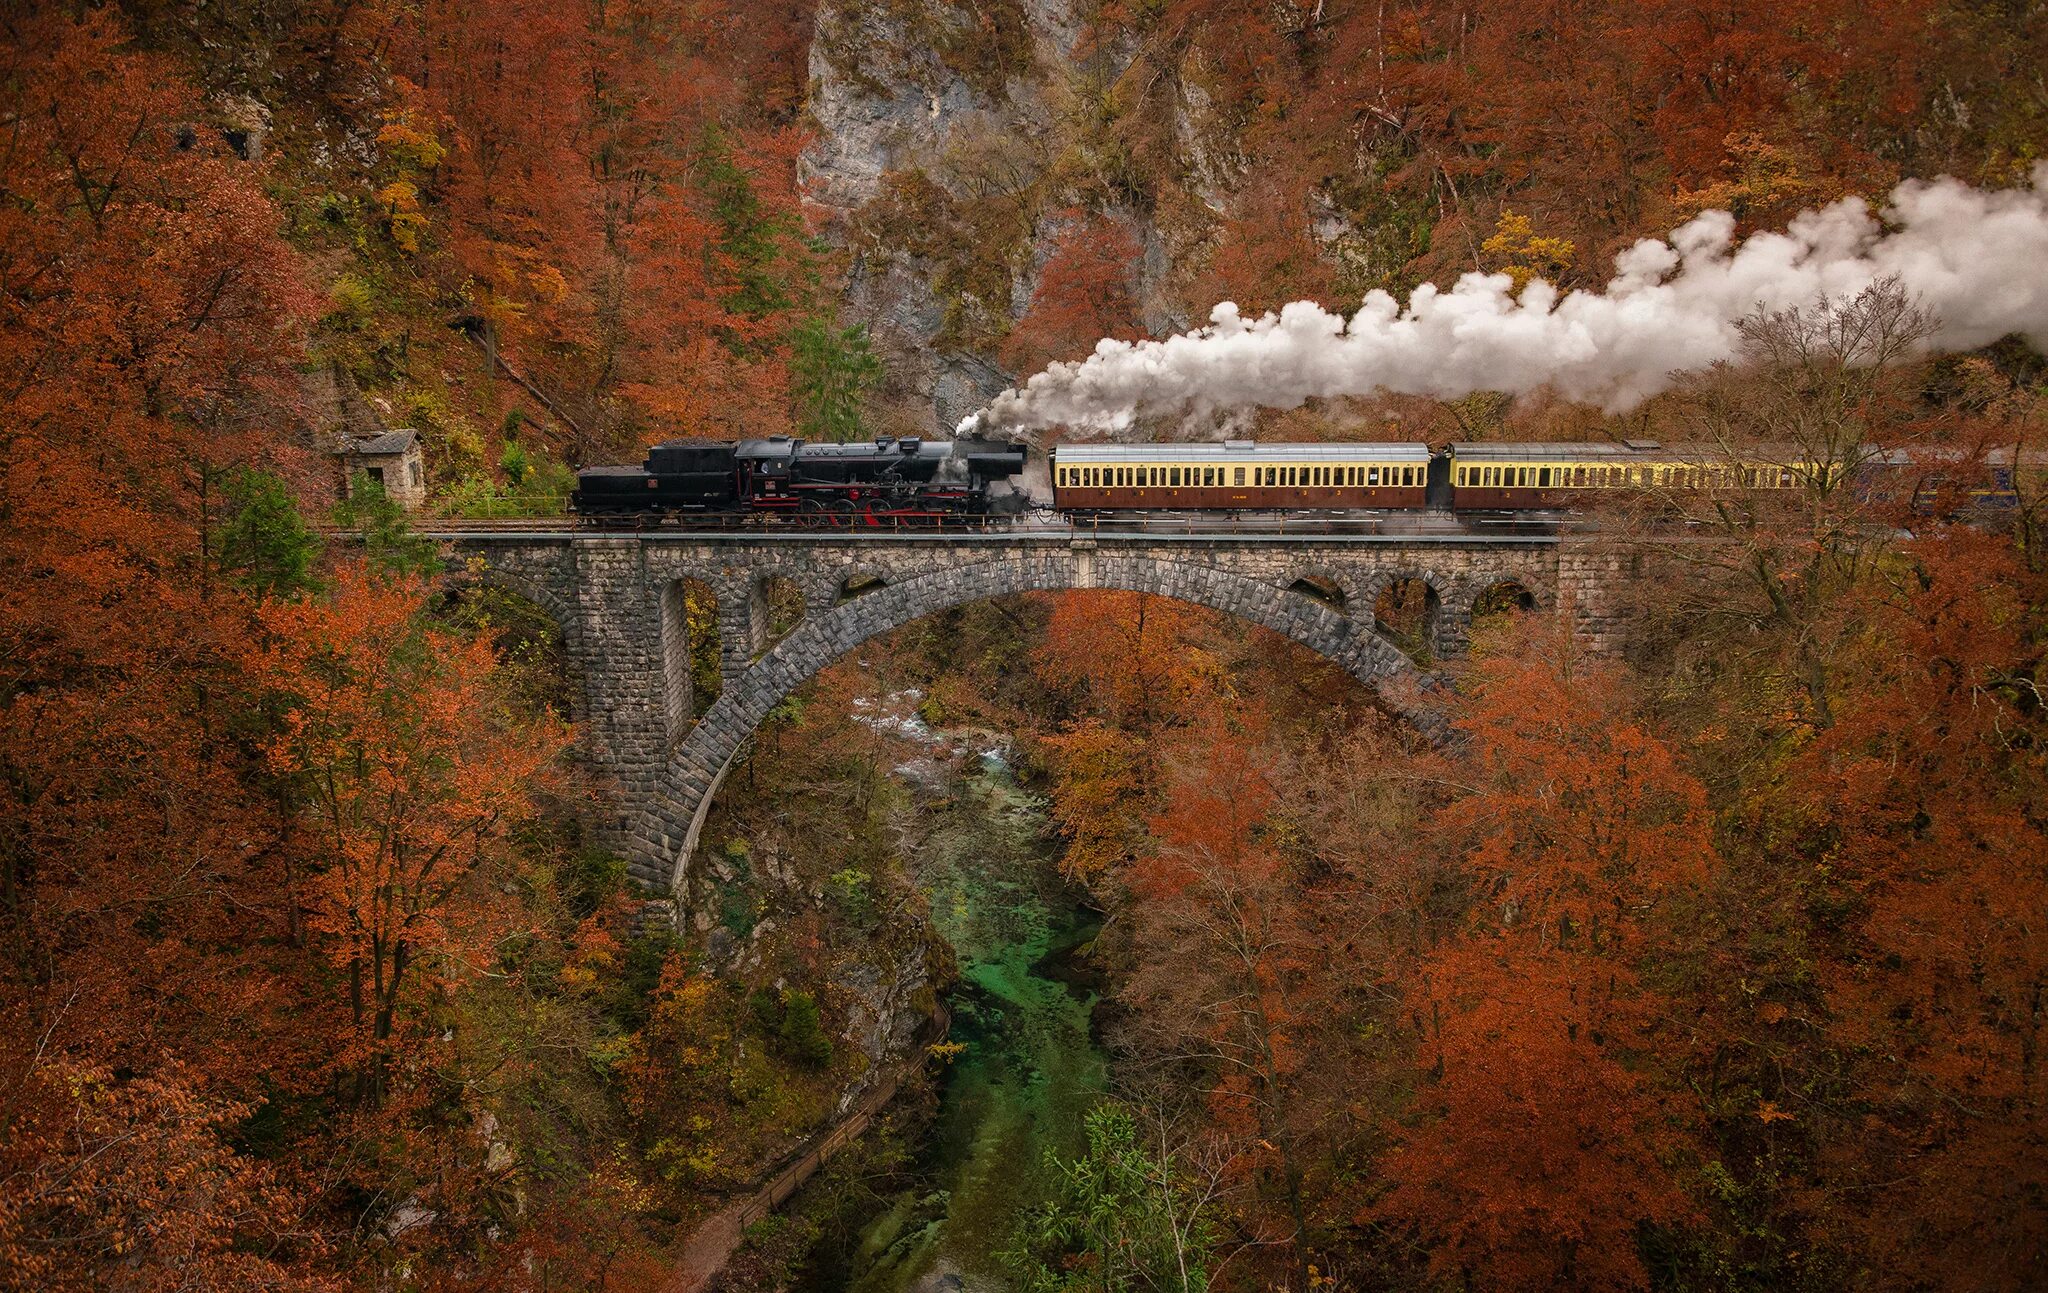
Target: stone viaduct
x,y
619,600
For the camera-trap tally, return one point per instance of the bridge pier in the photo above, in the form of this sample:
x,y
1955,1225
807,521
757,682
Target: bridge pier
x,y
622,640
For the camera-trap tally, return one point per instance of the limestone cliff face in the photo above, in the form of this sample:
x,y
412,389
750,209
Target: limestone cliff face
x,y
934,129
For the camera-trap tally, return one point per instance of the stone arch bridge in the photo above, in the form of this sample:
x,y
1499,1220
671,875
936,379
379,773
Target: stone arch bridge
x,y
619,599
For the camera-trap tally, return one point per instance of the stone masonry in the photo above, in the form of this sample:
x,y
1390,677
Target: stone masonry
x,y
618,599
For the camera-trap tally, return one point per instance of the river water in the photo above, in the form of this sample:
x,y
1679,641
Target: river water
x,y
1030,1069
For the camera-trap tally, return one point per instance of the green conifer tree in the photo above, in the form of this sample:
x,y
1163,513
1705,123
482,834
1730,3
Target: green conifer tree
x,y
833,368
263,545
388,538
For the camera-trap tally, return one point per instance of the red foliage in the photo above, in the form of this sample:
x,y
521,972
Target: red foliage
x,y
1929,797
1085,293
1548,1142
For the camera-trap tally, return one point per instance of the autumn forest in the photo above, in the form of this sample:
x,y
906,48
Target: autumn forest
x,y
1711,955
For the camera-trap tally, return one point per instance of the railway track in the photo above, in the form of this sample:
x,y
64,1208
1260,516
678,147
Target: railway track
x,y
1396,525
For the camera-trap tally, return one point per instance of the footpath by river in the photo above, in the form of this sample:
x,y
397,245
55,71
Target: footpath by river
x,y
1030,1069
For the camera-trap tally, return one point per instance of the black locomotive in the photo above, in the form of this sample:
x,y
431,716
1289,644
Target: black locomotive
x,y
885,481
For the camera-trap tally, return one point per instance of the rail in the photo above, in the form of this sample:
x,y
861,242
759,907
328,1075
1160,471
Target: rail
x,y
1385,527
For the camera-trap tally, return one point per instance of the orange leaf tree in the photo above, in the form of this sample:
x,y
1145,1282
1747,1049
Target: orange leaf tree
x,y
1546,1140
412,768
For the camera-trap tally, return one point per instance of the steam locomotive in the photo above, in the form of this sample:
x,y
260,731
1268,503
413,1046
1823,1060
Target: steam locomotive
x,y
886,481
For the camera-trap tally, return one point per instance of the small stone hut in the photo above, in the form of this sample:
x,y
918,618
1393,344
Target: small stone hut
x,y
392,459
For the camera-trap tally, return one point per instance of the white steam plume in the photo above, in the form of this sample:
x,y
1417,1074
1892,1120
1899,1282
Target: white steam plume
x,y
1978,261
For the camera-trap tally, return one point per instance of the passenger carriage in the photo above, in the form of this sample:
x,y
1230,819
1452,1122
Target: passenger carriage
x,y
1238,475
1537,477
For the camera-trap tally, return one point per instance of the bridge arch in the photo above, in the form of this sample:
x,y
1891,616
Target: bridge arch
x,y
560,614
671,817
532,590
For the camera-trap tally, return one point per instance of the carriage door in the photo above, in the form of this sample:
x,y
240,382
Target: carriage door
x,y
1437,491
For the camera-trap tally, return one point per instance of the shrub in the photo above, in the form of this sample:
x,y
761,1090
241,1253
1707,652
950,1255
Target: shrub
x,y
803,1035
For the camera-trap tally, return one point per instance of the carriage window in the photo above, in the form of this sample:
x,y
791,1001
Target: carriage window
x,y
1173,476
1237,475
1543,477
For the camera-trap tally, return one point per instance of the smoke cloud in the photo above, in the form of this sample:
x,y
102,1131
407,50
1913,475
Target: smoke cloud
x,y
1976,260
